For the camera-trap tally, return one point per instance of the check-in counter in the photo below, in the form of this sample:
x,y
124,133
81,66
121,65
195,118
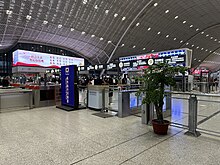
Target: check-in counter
x,y
15,99
46,95
98,97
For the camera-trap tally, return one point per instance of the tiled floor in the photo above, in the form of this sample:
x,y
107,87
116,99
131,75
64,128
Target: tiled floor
x,y
52,136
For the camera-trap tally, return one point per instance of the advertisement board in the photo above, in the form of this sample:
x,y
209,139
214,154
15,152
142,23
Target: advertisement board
x,y
38,59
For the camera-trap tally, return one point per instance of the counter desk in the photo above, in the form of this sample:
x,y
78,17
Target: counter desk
x,y
12,99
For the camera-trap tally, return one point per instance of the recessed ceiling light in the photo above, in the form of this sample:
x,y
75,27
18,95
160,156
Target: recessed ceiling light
x,y
207,35
202,32
199,60
96,6
60,26
167,36
206,50
83,32
181,41
28,17
211,38
197,29
176,17
191,26
101,39
72,29
174,39
152,50
195,59
218,41
197,47
122,45
187,43
9,12
45,22
215,40
184,22
202,48
85,1
193,45
149,29
159,33
134,46
210,51
138,24
109,42
92,35
115,15
123,18
106,11
144,48
167,11
155,4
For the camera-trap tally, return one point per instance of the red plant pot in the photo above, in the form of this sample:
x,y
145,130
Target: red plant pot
x,y
160,128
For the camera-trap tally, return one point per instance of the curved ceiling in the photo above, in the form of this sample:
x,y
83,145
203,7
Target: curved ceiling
x,y
99,29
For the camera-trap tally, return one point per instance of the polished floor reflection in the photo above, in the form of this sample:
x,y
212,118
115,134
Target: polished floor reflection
x,y
52,136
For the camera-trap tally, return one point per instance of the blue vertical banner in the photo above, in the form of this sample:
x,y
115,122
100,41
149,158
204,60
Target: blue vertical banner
x,y
67,85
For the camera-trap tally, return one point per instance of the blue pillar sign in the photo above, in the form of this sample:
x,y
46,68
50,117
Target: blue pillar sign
x,y
67,85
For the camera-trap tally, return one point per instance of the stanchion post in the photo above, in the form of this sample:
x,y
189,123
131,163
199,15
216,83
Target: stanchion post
x,y
192,122
147,113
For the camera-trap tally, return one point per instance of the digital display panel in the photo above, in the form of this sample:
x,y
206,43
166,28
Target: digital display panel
x,y
38,59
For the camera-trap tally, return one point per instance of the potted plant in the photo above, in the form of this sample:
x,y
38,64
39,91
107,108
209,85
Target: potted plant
x,y
154,80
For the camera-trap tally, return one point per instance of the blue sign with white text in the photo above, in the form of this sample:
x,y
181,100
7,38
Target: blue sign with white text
x,y
67,85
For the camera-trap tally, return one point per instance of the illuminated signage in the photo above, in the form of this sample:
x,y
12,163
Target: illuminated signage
x,y
29,58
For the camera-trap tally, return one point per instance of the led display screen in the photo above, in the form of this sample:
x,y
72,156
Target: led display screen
x,y
38,59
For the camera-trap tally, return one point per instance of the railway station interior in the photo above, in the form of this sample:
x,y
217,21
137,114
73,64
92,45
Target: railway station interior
x,y
109,82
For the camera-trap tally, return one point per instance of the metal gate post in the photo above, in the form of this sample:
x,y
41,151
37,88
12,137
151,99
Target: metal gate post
x,y
192,122
147,113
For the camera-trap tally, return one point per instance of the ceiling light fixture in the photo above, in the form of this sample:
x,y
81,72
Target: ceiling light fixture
x,y
152,50
101,39
138,24
176,17
187,43
92,35
191,26
85,1
207,35
123,18
144,48
122,45
155,4
197,29
109,42
202,48
106,11
174,39
167,11
181,41
184,22
211,38
28,17
202,32
96,6
149,29
83,33
159,33
197,47
167,36
60,26
134,46
45,22
193,45
115,15
206,50
9,12
72,29
215,40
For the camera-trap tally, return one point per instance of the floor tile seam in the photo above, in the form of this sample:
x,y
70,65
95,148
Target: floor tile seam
x,y
207,118
110,148
151,147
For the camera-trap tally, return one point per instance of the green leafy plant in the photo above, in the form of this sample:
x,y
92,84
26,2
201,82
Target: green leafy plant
x,y
154,80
